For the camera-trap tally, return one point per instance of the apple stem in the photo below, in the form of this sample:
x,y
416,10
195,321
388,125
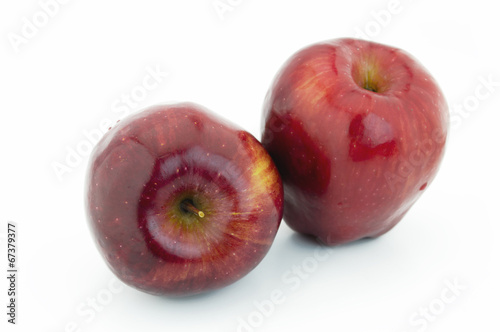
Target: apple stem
x,y
186,205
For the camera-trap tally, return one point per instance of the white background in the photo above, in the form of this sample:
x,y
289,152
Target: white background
x,y
71,73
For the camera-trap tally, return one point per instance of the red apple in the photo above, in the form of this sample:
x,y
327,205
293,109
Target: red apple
x,y
180,202
357,130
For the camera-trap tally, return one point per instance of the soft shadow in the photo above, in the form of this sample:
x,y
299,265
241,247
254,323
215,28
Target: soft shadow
x,y
206,296
310,241
283,254
305,240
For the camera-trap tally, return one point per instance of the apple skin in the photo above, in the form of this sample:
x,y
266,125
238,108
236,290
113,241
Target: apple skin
x,y
147,165
357,130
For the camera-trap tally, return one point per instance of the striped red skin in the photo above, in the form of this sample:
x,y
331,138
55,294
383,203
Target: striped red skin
x,y
147,165
353,161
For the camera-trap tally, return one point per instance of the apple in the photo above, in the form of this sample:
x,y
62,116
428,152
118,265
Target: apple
x,y
357,130
181,202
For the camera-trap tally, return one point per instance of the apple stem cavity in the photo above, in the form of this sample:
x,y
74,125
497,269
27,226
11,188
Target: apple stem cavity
x,y
366,74
187,206
369,82
369,85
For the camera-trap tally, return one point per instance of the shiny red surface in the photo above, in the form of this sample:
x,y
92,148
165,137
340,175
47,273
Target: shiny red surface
x,y
353,161
146,165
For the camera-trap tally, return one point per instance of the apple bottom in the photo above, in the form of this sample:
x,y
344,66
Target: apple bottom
x,y
317,223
